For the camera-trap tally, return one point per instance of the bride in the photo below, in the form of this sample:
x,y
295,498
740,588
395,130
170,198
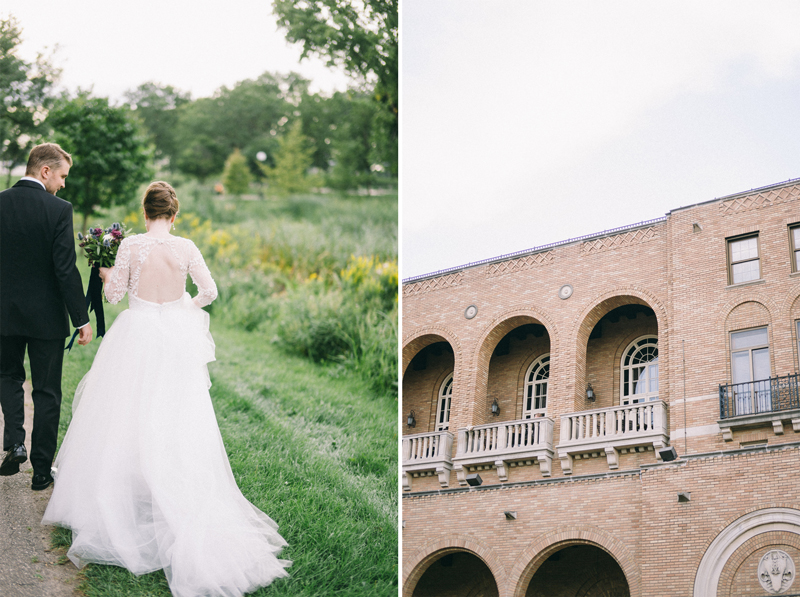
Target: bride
x,y
143,479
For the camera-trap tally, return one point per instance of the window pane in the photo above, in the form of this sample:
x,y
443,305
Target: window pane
x,y
653,374
740,364
749,339
797,261
761,364
796,235
745,272
744,249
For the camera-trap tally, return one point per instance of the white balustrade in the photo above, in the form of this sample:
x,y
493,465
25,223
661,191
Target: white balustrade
x,y
423,447
427,453
608,430
506,437
629,421
494,445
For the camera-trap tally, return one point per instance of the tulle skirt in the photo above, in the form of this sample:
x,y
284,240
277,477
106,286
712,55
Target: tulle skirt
x,y
143,479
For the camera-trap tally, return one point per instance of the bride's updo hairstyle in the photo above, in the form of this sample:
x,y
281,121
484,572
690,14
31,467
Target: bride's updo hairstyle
x,y
160,201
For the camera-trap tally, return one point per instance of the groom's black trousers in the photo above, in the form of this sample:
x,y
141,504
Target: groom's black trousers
x,y
46,358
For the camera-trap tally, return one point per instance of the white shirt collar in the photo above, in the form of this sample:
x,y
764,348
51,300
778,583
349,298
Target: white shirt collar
x,y
34,180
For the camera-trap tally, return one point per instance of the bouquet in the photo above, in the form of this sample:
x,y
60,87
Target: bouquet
x,y
100,246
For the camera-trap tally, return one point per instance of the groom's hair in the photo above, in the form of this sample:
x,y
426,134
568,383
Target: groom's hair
x,y
46,154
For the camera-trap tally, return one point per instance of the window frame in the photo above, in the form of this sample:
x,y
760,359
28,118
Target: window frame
x,y
794,246
633,347
729,251
444,403
753,396
530,387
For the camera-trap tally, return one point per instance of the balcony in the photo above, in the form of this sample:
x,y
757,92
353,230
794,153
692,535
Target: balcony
x,y
756,403
425,454
504,445
611,430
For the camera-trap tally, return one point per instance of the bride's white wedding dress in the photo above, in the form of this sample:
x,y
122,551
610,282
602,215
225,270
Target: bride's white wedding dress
x,y
143,479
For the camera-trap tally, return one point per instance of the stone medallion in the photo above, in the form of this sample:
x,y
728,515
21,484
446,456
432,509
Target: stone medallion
x,y
776,571
470,311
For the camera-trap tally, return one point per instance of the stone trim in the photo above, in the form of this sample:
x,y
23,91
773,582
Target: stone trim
x,y
518,265
735,535
618,241
766,198
432,284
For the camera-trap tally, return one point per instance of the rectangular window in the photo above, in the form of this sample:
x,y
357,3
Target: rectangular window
x,y
794,239
743,260
750,371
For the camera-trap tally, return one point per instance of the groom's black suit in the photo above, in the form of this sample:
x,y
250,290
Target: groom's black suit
x,y
40,286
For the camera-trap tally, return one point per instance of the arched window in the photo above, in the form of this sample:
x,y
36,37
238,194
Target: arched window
x,y
639,371
443,408
536,388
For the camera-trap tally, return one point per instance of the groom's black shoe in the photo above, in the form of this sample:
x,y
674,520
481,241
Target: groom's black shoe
x,y
41,482
13,458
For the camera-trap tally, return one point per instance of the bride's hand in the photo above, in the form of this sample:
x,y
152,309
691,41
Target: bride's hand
x,y
104,271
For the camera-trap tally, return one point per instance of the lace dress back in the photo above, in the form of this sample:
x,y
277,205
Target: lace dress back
x,y
154,270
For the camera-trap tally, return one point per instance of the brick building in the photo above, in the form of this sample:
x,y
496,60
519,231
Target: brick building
x,y
563,375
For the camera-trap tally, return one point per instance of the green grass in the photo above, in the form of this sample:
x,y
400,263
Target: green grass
x,y
311,446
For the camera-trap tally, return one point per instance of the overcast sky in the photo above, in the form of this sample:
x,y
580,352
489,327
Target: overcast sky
x,y
525,123
194,45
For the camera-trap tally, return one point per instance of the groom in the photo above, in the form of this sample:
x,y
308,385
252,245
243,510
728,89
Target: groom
x,y
39,286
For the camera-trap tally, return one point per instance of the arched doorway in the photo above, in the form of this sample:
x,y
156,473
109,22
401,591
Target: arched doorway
x,y
457,574
579,571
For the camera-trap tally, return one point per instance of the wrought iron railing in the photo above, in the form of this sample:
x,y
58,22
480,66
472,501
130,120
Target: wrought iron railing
x,y
757,397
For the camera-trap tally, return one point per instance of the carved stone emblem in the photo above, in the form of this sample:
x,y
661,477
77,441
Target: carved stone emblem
x,y
776,571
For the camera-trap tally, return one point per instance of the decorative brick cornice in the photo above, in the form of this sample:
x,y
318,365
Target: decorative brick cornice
x,y
766,198
618,241
517,265
432,284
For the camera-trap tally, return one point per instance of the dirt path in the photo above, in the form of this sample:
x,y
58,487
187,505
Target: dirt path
x,y
28,565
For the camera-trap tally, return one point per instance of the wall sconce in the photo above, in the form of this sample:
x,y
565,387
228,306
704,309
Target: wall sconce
x,y
495,408
412,422
589,393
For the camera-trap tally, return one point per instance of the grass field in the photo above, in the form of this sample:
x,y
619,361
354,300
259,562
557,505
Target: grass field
x,y
312,442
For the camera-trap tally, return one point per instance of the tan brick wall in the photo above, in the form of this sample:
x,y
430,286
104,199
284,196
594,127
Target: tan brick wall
x,y
679,272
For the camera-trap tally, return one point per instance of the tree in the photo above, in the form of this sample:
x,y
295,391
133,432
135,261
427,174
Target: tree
x,y
354,146
27,95
359,36
292,160
157,106
211,128
110,152
236,178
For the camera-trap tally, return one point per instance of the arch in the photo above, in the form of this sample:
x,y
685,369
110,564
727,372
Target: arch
x,y
491,336
418,339
733,536
417,563
586,321
750,297
791,303
747,314
542,548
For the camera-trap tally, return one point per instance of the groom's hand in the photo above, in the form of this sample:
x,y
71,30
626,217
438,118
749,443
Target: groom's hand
x,y
85,334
